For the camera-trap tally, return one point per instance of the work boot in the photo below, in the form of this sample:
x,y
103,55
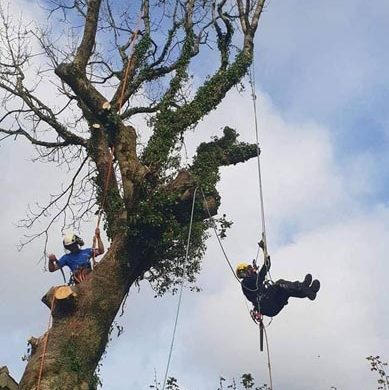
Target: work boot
x,y
311,295
314,288
307,280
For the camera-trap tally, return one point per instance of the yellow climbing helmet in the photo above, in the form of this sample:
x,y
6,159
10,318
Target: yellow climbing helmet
x,y
241,269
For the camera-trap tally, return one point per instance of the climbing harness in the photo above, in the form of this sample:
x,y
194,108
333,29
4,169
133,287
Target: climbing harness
x,y
181,290
79,275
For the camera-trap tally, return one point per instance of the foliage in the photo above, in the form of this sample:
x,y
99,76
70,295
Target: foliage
x,y
171,384
247,381
75,91
379,367
162,221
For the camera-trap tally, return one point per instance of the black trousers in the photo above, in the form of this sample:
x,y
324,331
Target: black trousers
x,y
271,300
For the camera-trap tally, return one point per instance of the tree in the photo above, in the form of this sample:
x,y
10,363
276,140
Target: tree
x,y
125,63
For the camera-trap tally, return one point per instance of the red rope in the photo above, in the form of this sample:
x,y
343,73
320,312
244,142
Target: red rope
x,y
45,345
105,191
112,151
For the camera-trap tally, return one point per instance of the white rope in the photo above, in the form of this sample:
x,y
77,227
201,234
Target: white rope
x,y
181,290
217,236
260,185
268,355
232,269
254,98
262,203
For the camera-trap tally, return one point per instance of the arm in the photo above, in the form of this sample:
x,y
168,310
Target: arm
x,y
265,268
53,265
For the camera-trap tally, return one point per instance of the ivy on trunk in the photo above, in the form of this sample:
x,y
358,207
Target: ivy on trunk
x,y
124,64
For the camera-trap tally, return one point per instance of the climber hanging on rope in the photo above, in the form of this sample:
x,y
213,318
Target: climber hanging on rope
x,y
270,298
78,260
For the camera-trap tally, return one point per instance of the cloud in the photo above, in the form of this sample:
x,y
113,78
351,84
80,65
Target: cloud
x,y
334,236
323,216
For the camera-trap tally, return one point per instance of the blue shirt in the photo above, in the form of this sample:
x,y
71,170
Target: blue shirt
x,y
77,259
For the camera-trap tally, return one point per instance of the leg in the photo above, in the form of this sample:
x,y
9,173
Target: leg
x,y
273,300
306,289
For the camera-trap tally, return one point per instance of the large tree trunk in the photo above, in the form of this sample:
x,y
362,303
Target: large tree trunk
x,y
77,338
146,216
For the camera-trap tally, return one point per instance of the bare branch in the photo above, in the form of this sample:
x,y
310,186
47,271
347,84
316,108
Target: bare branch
x,y
33,140
84,51
70,196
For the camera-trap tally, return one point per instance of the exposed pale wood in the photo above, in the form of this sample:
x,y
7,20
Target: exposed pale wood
x,y
63,292
106,106
60,293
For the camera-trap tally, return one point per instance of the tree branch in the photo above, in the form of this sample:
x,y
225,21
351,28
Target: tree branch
x,y
132,171
220,152
84,51
33,140
111,201
170,124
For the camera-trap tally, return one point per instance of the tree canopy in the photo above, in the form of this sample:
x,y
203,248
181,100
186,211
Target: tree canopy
x,y
126,82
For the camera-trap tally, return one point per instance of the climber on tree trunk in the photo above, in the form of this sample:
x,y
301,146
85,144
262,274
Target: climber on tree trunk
x,y
78,260
270,299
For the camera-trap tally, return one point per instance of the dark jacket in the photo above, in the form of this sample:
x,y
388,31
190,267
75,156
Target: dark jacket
x,y
269,300
252,285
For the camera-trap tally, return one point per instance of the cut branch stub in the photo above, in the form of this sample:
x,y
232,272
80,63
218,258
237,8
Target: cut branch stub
x,y
64,292
61,300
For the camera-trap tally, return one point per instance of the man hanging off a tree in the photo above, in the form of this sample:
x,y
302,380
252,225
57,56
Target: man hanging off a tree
x,y
78,260
270,299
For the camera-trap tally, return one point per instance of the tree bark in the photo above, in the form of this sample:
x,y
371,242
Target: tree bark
x,y
146,212
77,340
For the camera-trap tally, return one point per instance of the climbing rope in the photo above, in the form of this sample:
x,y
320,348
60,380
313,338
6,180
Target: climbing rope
x,y
112,149
181,290
268,355
63,275
217,236
261,325
260,184
105,191
43,356
232,269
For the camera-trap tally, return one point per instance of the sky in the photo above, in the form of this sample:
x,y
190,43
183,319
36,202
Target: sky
x,y
322,87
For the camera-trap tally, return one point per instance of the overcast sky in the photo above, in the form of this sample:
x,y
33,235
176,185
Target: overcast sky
x,y
323,87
